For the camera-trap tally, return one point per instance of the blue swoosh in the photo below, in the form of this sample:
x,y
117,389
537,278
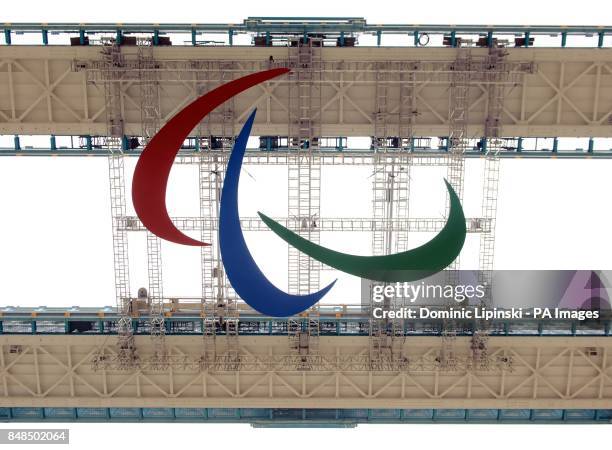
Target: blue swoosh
x,y
243,273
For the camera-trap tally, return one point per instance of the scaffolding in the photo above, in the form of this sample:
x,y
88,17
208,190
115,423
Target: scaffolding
x,y
492,147
386,341
303,334
458,141
383,176
219,308
127,357
457,145
395,114
408,114
304,185
150,117
390,189
304,168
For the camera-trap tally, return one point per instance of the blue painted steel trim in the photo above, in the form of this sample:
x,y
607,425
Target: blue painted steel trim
x,y
262,326
311,25
303,416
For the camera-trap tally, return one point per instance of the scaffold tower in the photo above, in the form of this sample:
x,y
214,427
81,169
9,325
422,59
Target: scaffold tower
x,y
127,357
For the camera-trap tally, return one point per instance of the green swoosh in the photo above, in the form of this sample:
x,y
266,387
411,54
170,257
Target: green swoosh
x,y
411,265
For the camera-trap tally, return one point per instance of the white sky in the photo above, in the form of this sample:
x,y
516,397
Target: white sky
x,y
55,240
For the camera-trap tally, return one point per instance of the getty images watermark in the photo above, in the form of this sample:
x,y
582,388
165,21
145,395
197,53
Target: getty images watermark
x,y
541,295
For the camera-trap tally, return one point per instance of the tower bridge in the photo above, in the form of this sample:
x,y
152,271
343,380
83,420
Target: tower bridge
x,y
454,92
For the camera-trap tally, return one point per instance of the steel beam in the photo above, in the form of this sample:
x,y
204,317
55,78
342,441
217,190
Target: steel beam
x,y
44,90
543,372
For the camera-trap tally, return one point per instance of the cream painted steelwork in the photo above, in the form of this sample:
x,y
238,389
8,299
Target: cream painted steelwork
x,y
45,90
527,372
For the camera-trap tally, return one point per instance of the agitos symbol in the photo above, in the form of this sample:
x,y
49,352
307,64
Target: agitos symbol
x,y
149,197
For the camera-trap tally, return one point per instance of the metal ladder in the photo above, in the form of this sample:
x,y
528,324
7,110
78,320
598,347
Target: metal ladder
x,y
304,169
496,76
209,344
381,202
150,117
219,301
381,107
457,145
127,357
457,137
407,118
407,108
458,120
402,202
382,187
232,353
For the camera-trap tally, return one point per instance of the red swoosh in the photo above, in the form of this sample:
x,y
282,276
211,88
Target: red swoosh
x,y
153,168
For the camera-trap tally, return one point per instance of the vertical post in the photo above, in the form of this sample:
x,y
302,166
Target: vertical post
x,y
45,37
564,39
527,38
82,37
519,145
53,143
555,145
600,39
490,39
156,37
342,39
119,37
17,142
7,36
591,145
268,39
453,39
378,37
230,35
416,38
88,145
193,37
